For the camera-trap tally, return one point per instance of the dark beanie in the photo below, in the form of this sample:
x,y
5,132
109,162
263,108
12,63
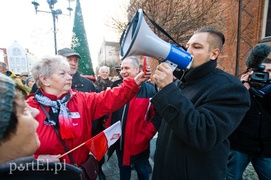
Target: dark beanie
x,y
7,92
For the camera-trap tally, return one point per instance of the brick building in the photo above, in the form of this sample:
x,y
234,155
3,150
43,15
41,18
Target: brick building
x,y
246,23
250,24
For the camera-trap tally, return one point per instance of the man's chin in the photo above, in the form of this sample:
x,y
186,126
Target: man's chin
x,y
72,72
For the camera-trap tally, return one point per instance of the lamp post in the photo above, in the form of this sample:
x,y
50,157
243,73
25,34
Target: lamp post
x,y
54,13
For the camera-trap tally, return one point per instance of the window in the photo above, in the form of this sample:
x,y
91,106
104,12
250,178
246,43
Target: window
x,y
266,29
16,52
268,20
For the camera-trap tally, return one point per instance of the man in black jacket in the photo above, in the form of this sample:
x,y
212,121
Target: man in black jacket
x,y
251,141
79,82
199,113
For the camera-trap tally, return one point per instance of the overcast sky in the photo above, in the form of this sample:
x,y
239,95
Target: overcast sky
x,y
20,23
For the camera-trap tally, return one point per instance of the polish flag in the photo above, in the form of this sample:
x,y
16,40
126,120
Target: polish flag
x,y
99,144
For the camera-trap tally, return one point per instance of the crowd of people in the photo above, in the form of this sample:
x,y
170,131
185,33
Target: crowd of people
x,y
210,124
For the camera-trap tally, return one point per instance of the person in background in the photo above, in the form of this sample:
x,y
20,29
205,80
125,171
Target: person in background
x,y
139,125
23,77
79,82
19,140
118,78
251,141
71,112
103,81
29,81
199,112
18,81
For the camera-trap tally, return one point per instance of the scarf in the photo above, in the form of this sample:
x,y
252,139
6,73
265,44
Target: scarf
x,y
60,113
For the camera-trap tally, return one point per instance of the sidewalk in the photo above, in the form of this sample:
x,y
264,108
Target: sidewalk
x,y
111,169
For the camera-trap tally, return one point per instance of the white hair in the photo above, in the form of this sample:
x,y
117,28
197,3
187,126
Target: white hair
x,y
104,67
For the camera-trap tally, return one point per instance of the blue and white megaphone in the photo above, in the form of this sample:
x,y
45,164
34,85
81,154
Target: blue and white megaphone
x,y
139,40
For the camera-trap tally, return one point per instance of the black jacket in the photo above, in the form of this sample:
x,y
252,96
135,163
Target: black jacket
x,y
253,135
82,84
198,116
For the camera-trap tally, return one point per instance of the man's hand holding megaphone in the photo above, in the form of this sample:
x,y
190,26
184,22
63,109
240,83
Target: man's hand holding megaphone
x,y
163,75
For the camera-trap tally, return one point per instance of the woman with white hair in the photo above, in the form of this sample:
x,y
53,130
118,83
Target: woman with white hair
x,y
70,113
19,140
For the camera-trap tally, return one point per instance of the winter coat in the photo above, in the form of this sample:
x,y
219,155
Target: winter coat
x,y
253,135
103,84
82,84
138,125
84,107
198,116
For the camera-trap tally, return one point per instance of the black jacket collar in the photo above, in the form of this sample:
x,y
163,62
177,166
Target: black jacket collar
x,y
200,71
76,78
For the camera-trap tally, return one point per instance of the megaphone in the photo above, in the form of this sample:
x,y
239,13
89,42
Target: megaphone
x,y
139,39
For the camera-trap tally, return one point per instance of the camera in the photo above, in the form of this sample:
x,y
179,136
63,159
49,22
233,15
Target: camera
x,y
259,78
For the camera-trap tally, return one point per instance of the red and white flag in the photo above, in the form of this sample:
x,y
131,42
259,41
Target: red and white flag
x,y
99,144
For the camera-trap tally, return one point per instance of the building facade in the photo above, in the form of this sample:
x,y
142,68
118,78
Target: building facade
x,y
109,56
18,59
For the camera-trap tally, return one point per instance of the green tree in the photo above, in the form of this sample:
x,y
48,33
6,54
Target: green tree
x,y
80,43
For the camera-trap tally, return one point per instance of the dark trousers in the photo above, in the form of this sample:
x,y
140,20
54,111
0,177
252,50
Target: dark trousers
x,y
141,167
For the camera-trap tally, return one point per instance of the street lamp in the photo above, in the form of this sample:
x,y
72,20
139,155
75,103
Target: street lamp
x,y
54,13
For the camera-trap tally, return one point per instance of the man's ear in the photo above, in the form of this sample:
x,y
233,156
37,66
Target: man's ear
x,y
214,54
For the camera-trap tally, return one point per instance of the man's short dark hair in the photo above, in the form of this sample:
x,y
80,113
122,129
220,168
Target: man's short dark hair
x,y
213,32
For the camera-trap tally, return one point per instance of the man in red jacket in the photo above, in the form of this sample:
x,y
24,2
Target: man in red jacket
x,y
139,125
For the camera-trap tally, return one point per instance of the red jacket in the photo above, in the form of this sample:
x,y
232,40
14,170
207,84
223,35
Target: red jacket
x,y
139,124
84,107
